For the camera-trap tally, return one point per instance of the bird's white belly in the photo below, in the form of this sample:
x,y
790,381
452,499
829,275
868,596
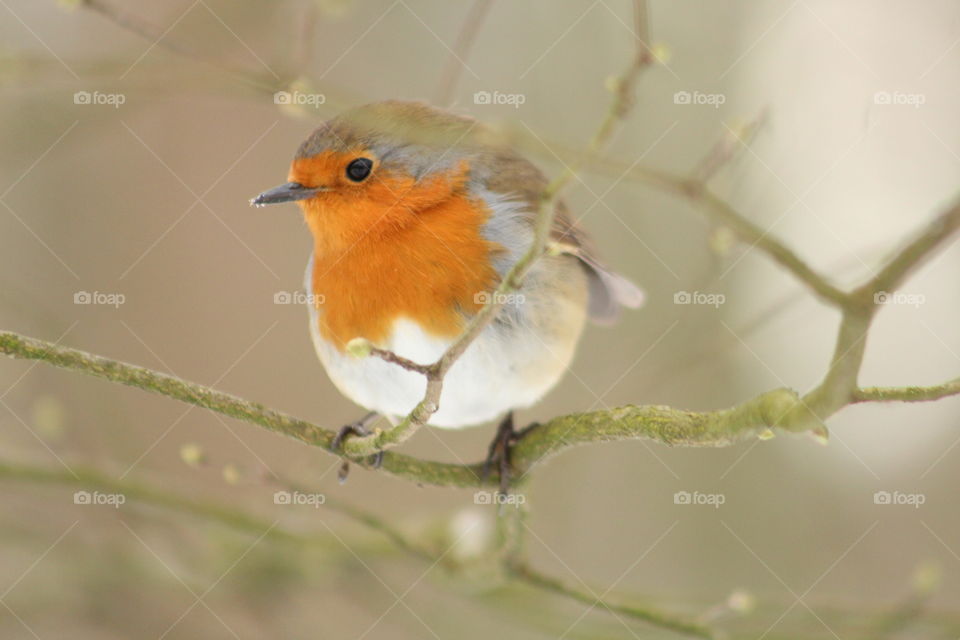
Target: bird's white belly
x,y
501,370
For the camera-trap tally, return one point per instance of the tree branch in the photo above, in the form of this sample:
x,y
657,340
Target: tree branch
x,y
159,36
779,408
907,394
694,190
658,618
663,424
753,418
726,148
357,447
839,387
836,389
240,520
84,478
892,275
229,405
762,239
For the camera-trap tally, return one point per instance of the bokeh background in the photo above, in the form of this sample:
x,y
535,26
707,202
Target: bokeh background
x,y
148,200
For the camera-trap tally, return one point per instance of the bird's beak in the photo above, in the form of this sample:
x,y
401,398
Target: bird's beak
x,y
289,192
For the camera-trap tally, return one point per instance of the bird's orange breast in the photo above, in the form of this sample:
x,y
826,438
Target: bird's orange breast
x,y
432,267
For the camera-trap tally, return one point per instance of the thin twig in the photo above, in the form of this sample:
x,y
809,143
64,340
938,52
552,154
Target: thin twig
x,y
159,37
907,394
90,479
710,205
653,616
839,386
461,49
618,110
727,148
237,519
762,239
409,365
904,261
307,36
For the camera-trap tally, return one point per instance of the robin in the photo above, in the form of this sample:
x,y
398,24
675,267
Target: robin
x,y
416,215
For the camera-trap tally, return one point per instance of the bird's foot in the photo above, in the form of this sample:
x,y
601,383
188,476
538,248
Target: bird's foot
x,y
359,428
500,450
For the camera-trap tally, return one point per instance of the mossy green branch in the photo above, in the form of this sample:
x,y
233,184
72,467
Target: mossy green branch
x,y
777,409
907,394
752,419
755,417
18,346
672,426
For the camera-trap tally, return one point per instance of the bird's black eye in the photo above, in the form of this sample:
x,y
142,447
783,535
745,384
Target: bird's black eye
x,y
359,169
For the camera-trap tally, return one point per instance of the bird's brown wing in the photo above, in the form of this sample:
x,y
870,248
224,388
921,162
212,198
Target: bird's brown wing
x,y
609,291
518,177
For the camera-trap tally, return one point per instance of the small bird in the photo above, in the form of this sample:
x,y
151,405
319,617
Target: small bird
x,y
416,215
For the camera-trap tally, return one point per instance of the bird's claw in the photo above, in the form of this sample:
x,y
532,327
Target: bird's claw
x,y
500,450
361,429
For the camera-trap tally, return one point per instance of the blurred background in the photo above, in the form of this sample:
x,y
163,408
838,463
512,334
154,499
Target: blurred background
x,y
133,135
